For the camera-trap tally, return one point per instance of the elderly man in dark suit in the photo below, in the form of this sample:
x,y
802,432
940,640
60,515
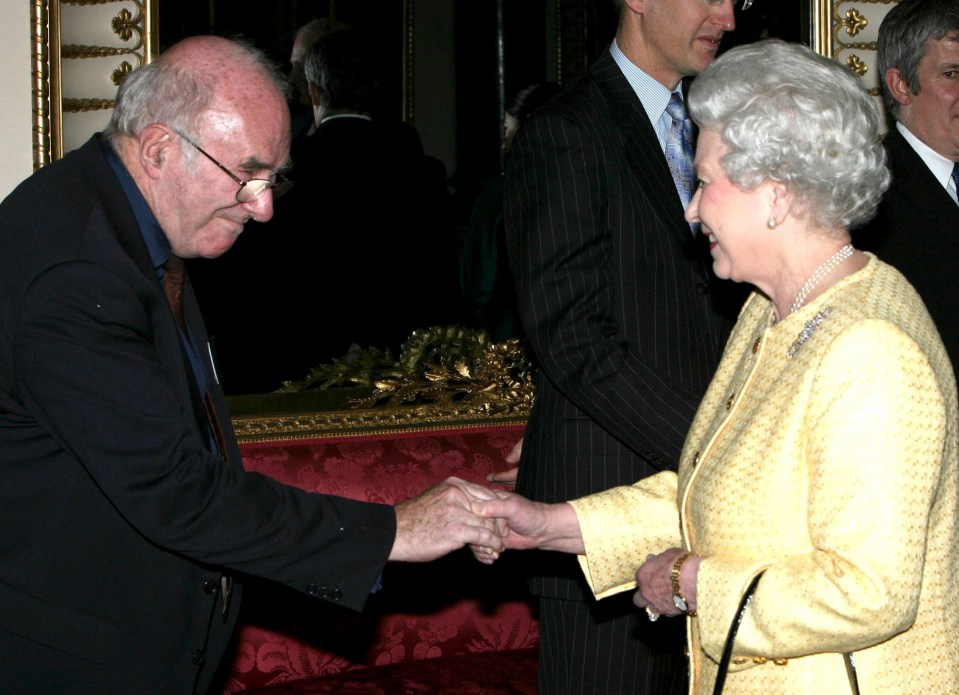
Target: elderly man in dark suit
x,y
917,227
616,297
124,508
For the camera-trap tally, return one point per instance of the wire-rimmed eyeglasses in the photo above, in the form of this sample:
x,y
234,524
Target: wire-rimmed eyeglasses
x,y
716,3
251,189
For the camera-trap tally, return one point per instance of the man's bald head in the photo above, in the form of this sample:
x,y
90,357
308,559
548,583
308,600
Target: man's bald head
x,y
188,79
193,129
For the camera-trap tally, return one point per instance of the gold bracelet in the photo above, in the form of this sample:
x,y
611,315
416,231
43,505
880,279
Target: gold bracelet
x,y
678,598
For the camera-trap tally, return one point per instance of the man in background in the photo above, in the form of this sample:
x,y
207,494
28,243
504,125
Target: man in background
x,y
616,296
125,508
361,251
301,108
917,226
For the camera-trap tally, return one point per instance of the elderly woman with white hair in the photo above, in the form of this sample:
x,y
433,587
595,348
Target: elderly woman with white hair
x,y
823,459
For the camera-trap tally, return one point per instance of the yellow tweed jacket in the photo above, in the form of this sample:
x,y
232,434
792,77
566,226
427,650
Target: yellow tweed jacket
x,y
826,456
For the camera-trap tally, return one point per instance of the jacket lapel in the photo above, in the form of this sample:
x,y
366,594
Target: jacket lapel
x,y
641,148
916,187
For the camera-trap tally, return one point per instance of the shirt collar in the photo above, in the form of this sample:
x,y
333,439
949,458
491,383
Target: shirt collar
x,y
361,116
940,167
155,239
652,94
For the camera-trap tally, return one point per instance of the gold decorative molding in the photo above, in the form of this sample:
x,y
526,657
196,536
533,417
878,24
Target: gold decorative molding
x,y
80,77
45,33
853,22
836,22
395,419
446,377
71,52
445,366
855,64
84,105
408,62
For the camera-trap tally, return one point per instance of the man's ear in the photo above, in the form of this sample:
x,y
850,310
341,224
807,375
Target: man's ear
x,y
314,94
636,6
153,148
896,84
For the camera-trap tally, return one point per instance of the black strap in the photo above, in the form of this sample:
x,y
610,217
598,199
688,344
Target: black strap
x,y
851,672
731,637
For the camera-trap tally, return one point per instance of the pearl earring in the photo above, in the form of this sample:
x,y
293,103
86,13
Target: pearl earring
x,y
771,223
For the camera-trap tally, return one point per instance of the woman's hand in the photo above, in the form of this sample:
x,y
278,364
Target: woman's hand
x,y
654,578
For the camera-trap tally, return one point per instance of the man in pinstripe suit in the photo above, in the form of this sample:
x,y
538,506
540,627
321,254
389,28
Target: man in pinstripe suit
x,y
617,301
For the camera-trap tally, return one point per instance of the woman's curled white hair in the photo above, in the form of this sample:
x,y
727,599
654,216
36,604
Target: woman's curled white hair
x,y
790,115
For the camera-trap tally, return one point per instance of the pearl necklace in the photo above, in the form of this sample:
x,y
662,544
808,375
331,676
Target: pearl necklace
x,y
826,267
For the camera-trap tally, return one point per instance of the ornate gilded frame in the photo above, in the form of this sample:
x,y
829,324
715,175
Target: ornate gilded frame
x,y
847,31
82,50
446,377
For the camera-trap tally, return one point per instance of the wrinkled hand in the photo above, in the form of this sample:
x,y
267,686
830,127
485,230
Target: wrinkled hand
x,y
439,520
533,524
508,477
654,578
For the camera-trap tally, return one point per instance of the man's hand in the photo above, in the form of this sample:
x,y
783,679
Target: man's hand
x,y
533,524
439,520
508,477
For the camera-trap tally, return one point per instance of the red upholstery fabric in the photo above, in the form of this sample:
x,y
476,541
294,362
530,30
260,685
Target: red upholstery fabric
x,y
449,608
502,673
511,673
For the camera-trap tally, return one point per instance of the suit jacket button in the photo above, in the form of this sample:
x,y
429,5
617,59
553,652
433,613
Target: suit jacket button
x,y
324,592
336,594
198,657
210,587
702,287
312,588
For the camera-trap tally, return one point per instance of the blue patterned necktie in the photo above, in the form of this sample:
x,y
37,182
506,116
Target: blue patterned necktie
x,y
955,177
679,150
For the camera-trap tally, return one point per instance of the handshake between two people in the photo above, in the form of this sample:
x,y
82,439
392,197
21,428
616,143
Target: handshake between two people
x,y
457,513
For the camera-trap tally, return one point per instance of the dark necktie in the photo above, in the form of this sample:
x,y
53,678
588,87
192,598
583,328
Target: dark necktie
x,y
955,177
173,279
173,288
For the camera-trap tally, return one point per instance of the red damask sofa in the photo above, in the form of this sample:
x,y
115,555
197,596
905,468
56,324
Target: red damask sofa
x,y
451,626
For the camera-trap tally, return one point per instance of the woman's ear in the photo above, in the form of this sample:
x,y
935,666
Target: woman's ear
x,y
780,203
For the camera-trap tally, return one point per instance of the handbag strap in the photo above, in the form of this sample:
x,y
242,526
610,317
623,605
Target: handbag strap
x,y
731,637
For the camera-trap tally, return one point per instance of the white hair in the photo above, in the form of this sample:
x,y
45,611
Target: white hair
x,y
790,115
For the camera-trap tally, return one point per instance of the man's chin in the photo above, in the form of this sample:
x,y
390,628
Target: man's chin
x,y
216,248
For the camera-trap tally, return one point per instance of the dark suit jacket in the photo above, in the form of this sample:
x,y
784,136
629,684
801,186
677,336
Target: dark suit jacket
x,y
116,517
615,296
917,231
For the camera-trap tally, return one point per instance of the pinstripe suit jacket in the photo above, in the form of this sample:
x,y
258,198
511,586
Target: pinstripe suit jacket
x,y
616,298
917,231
